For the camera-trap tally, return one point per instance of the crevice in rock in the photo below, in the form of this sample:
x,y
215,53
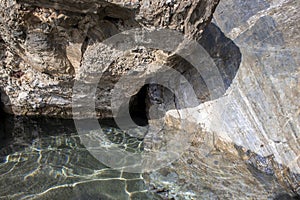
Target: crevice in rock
x,y
2,113
3,120
151,95
84,45
137,107
83,48
4,102
269,166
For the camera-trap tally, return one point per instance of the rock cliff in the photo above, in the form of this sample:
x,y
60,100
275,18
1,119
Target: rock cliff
x,y
260,110
42,45
254,44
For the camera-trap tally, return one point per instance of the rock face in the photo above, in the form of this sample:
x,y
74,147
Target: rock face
x,y
260,110
42,45
262,113
254,44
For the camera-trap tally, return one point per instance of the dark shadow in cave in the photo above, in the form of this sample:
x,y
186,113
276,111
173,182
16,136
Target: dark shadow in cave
x,y
137,107
222,50
285,196
225,53
6,125
18,132
226,56
4,109
148,96
2,118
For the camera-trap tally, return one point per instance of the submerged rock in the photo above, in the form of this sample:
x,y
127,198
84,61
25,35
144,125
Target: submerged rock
x,y
254,44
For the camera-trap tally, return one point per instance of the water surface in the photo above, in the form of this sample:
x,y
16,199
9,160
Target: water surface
x,y
42,158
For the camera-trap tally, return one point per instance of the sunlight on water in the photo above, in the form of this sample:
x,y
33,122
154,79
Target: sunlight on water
x,y
45,159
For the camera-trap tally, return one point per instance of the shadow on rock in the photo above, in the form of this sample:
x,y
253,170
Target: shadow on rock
x,y
225,54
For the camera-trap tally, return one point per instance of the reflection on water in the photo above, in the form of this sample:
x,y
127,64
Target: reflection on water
x,y
44,159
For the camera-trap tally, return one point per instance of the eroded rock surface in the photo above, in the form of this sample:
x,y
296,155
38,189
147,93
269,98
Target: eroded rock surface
x,y
43,44
260,110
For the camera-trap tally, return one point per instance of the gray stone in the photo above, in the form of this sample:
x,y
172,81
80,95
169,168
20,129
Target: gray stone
x,y
260,109
43,44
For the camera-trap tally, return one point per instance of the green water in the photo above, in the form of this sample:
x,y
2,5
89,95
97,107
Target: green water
x,y
45,159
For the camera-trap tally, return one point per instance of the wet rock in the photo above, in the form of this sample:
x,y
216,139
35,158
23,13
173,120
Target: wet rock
x,y
213,174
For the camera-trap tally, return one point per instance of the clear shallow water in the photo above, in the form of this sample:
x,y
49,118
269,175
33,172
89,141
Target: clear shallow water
x,y
45,159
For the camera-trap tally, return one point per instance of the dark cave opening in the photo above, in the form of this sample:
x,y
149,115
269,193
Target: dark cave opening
x,y
2,113
137,107
151,102
3,123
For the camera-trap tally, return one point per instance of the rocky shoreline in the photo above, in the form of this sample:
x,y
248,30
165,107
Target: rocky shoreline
x,y
253,44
